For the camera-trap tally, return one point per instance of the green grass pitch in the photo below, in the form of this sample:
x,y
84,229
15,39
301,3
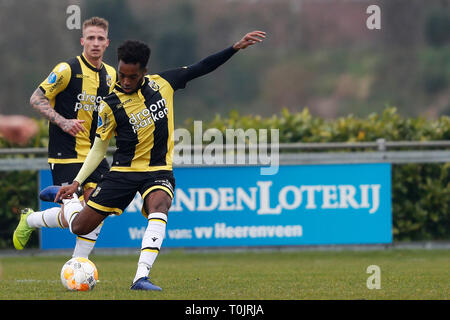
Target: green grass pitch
x,y
252,275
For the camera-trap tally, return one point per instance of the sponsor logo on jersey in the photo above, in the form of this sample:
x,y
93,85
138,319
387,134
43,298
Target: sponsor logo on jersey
x,y
56,81
165,183
87,102
103,121
120,105
151,114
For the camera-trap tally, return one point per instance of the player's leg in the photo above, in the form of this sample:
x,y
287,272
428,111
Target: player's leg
x,y
157,202
86,243
111,196
30,220
49,218
70,208
85,221
62,174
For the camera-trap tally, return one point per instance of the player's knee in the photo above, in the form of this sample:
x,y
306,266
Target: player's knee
x,y
80,228
160,207
158,201
77,228
63,220
86,221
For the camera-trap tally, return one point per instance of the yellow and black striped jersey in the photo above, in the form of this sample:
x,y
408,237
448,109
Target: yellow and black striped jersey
x,y
143,121
75,89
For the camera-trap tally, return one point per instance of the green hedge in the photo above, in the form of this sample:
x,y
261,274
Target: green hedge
x,y
420,192
18,189
304,127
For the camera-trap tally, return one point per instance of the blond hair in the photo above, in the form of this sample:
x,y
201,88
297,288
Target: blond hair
x,y
96,22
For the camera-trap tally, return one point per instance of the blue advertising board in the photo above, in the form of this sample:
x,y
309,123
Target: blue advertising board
x,y
237,206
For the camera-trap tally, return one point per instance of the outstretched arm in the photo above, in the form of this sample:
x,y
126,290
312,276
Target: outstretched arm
x,y
179,77
40,102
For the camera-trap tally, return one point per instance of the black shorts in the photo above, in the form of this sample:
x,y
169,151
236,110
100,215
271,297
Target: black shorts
x,y
117,189
64,173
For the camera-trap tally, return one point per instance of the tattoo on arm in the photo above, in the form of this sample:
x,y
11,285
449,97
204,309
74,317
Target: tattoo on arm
x,y
40,102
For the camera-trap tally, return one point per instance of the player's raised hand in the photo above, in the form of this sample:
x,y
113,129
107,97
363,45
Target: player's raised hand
x,y
250,39
72,126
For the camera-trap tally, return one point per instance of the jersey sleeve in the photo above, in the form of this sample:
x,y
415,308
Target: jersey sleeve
x,y
57,80
93,159
106,124
179,77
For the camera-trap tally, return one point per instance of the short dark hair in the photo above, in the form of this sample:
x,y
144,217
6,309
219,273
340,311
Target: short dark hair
x,y
134,51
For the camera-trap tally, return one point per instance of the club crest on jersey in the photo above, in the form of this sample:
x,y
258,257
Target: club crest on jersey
x,y
152,84
108,80
96,191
